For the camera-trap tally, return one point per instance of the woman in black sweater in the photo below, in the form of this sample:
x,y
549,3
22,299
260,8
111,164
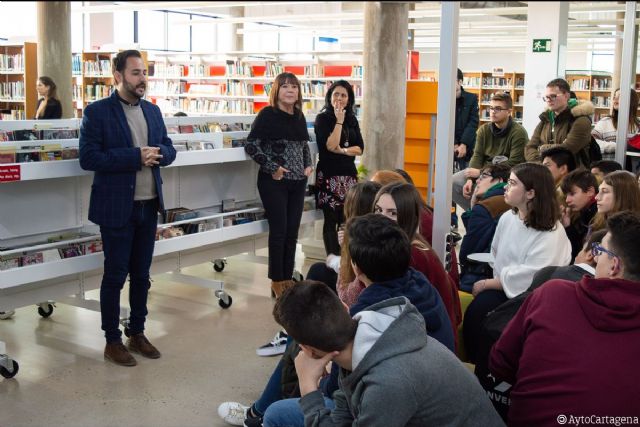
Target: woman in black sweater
x,y
339,142
278,142
48,106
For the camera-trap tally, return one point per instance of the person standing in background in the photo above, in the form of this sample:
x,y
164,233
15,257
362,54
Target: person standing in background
x,y
279,143
48,106
339,142
124,140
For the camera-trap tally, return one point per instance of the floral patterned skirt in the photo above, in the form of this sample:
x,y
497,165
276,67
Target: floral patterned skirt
x,y
332,190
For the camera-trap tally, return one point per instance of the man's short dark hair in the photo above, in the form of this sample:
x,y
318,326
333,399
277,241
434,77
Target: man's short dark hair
x,y
606,166
581,178
314,315
561,156
503,97
624,232
501,171
460,75
120,60
379,247
560,84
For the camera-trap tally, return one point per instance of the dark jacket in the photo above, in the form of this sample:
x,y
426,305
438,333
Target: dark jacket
x,y
578,229
467,119
480,223
571,129
106,147
53,110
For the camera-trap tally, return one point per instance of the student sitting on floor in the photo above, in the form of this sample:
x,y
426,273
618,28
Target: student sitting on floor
x,y
580,188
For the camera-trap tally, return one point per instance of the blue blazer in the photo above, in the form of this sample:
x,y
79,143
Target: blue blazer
x,y
106,147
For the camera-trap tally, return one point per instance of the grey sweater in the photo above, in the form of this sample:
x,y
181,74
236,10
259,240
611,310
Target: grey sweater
x,y
401,377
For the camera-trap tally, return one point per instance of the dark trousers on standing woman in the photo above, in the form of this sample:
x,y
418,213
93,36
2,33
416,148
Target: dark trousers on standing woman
x,y
128,250
332,220
283,203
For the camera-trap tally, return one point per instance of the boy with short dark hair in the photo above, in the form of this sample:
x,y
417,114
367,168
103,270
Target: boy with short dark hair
x,y
391,373
580,188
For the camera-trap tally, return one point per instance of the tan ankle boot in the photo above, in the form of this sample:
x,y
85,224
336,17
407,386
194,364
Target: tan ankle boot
x,y
278,287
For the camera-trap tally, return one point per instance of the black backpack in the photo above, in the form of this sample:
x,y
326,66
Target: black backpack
x,y
595,154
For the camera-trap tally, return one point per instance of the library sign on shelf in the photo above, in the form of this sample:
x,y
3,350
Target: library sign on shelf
x,y
541,45
9,173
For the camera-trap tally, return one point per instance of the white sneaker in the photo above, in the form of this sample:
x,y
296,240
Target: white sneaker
x,y
7,314
233,413
275,347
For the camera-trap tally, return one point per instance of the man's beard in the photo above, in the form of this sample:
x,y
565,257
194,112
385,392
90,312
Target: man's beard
x,y
131,89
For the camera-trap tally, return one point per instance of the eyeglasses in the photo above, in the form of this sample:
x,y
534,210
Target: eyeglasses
x,y
484,175
551,97
597,249
498,109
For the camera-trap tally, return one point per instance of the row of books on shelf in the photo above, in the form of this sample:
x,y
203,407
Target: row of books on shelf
x,y
12,90
486,97
76,64
208,127
206,106
12,63
98,68
496,81
601,84
97,91
37,134
70,250
580,84
13,114
37,153
601,101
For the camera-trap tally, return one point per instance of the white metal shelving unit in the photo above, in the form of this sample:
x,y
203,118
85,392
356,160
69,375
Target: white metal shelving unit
x,y
52,197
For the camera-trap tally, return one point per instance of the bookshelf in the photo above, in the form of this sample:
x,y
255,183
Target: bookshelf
x,y
594,86
18,75
45,257
198,85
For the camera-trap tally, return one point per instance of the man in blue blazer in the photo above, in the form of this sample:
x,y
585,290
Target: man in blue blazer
x,y
123,139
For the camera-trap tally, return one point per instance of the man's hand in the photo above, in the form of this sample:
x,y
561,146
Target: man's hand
x,y
308,170
471,173
467,189
150,156
310,370
461,151
279,174
566,216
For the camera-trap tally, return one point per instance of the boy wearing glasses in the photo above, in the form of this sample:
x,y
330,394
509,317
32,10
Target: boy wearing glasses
x,y
573,346
566,123
501,138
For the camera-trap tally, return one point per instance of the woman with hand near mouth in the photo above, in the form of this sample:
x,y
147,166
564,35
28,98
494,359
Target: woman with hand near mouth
x,y
339,142
278,142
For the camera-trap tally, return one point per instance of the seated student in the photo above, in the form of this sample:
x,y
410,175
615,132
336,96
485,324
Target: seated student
x,y
560,161
402,203
385,177
527,238
589,334
580,187
604,167
487,205
618,192
394,377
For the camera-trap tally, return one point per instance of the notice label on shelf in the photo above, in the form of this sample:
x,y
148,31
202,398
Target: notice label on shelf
x,y
9,173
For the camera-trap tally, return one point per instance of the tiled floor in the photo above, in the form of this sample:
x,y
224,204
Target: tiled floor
x,y
208,356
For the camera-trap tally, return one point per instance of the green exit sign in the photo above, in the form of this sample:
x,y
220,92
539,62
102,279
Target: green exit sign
x,y
542,45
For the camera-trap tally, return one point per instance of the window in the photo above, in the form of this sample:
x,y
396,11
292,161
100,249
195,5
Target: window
x,y
178,32
151,30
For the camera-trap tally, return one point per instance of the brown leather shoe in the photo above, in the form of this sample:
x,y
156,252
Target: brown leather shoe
x,y
117,353
140,344
278,288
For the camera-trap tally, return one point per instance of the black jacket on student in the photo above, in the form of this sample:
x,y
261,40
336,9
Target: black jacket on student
x,y
467,118
53,110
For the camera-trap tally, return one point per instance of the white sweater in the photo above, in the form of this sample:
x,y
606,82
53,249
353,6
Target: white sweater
x,y
520,251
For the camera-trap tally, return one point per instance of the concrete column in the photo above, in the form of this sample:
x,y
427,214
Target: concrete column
x,y
237,40
384,84
54,49
546,20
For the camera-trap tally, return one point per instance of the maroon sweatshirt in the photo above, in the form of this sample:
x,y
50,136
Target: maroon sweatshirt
x,y
573,349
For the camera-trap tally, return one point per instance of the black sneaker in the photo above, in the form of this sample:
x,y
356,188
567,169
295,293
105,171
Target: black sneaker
x,y
253,422
275,346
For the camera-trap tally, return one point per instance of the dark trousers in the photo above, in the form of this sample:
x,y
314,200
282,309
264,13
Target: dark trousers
x,y
320,272
283,203
128,250
482,304
332,221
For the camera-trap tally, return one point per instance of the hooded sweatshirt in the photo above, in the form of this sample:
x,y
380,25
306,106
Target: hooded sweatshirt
x,y
421,293
401,377
572,349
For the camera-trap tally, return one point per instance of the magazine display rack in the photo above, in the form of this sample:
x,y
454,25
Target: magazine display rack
x,y
49,250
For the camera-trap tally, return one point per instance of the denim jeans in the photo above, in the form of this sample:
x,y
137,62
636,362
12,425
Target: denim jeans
x,y
272,391
128,250
287,413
